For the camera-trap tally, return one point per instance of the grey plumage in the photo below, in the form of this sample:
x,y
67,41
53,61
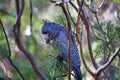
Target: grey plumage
x,y
58,35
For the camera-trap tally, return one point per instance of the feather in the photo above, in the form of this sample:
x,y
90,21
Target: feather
x,y
77,72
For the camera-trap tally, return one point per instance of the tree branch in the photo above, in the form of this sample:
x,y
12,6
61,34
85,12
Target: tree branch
x,y
109,61
83,17
19,43
68,25
70,14
9,51
80,46
31,13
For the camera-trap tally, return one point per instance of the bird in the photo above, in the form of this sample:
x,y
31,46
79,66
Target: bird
x,y
57,35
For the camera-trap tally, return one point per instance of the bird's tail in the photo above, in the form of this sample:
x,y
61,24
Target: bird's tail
x,y
77,72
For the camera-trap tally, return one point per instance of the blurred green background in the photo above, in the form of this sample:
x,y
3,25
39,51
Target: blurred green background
x,y
108,33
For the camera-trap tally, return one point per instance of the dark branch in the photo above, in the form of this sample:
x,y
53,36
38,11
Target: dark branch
x,y
80,46
83,18
52,1
68,25
19,43
9,51
73,6
31,13
70,14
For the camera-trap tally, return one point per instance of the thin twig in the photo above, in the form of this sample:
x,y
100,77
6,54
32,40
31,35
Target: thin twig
x,y
100,5
95,11
9,51
19,14
109,61
70,14
63,1
73,5
80,46
52,1
31,13
83,17
2,63
97,18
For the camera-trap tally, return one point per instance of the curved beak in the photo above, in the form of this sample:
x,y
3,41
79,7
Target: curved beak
x,y
47,39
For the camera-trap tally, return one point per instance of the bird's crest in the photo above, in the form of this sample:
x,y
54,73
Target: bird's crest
x,y
45,21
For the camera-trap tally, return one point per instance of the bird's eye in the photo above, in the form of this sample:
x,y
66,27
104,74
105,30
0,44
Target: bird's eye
x,y
44,32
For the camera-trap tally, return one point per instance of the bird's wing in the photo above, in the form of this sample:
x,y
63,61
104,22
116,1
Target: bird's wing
x,y
62,43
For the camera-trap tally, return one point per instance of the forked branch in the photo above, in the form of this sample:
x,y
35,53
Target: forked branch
x,y
19,43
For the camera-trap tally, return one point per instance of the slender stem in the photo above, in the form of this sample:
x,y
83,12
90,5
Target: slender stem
x,y
68,25
9,51
31,13
109,61
80,47
83,17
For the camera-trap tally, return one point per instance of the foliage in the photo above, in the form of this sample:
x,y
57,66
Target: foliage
x,y
60,19
108,35
49,63
55,70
